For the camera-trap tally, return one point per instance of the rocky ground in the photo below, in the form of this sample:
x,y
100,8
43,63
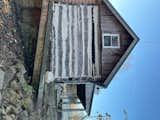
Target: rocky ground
x,y
15,94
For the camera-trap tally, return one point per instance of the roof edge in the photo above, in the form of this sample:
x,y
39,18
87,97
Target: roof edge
x,y
120,63
128,51
121,20
89,112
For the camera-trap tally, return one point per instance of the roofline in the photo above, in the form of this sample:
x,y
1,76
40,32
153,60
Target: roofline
x,y
121,20
132,45
89,112
119,64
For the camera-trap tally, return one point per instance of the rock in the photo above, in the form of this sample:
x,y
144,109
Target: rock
x,y
13,116
8,76
26,89
21,71
27,104
0,97
8,117
10,110
15,93
2,74
3,111
21,68
15,86
49,77
13,69
35,115
23,116
13,97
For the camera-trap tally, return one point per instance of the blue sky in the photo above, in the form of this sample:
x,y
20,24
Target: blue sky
x,y
136,87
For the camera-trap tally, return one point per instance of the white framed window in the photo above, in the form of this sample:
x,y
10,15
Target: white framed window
x,y
111,40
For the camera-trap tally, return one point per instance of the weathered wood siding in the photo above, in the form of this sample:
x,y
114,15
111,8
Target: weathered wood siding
x,y
40,43
78,1
29,3
72,41
111,56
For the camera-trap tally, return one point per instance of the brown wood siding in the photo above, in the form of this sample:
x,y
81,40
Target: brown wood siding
x,y
111,56
29,3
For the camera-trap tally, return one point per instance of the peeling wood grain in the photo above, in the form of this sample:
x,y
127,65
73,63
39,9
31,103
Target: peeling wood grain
x,y
73,37
40,44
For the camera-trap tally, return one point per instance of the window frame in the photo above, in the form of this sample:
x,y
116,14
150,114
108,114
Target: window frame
x,y
111,35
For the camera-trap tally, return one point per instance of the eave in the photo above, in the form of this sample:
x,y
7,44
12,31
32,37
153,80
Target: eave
x,y
130,48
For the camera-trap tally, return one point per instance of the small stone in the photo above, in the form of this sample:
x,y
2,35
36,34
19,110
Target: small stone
x,y
16,87
3,111
8,109
49,77
23,116
13,116
8,77
2,74
27,104
11,110
13,69
14,97
21,68
0,97
8,117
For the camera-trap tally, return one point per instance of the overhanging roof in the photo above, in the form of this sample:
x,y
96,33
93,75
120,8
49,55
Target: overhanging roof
x,y
132,45
90,92
85,94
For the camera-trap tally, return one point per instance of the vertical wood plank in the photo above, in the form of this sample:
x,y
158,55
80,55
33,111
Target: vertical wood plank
x,y
72,34
76,41
53,41
40,44
70,41
45,60
73,40
67,44
64,39
85,40
96,41
60,41
56,40
89,41
80,43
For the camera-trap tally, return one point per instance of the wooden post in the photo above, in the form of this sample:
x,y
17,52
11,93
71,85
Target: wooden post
x,y
40,44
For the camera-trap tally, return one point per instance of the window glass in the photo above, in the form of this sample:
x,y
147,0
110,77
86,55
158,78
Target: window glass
x,y
107,40
114,41
111,40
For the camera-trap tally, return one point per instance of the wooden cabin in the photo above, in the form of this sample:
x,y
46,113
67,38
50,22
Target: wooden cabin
x,y
81,42
86,41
